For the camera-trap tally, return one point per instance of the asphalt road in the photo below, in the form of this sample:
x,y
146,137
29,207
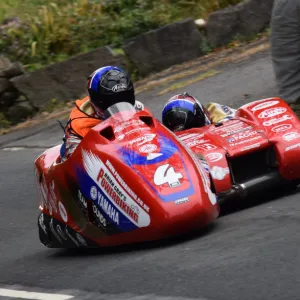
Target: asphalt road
x,y
250,253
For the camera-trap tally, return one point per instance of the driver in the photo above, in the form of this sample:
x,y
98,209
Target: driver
x,y
106,86
184,111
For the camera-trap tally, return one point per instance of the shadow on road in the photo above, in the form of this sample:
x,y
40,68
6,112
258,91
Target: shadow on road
x,y
226,209
263,197
145,246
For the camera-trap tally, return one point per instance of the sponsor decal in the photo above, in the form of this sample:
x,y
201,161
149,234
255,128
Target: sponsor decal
x,y
63,212
213,157
52,197
94,193
250,147
48,196
60,232
143,139
228,133
227,128
166,174
119,87
196,142
246,141
181,201
41,190
207,147
151,156
108,208
127,124
101,219
241,136
82,200
64,235
138,105
219,173
277,120
264,105
81,239
137,129
204,176
54,232
205,164
42,224
71,237
291,136
126,187
282,127
82,203
112,195
206,181
122,135
272,112
135,208
292,147
233,129
148,148
188,136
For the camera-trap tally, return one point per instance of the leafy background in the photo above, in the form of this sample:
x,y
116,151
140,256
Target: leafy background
x,y
39,32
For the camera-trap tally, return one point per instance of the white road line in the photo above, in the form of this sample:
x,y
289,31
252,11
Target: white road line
x,y
13,149
32,295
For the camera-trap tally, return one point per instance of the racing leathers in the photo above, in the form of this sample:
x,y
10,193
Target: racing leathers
x,y
83,117
218,112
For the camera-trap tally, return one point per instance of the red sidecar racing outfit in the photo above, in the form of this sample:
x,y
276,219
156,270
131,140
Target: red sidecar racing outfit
x,y
83,117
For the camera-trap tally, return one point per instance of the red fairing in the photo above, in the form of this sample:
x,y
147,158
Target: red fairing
x,y
130,180
259,128
282,128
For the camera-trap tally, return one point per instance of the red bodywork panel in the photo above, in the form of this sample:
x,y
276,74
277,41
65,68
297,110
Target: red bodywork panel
x,y
259,125
130,180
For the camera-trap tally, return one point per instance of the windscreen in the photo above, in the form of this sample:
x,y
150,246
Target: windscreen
x,y
125,107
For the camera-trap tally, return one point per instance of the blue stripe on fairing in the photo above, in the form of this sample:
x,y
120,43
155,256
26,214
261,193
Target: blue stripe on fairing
x,y
168,148
179,103
99,73
85,182
133,158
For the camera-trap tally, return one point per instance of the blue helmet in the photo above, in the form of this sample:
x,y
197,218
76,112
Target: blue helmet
x,y
109,85
183,112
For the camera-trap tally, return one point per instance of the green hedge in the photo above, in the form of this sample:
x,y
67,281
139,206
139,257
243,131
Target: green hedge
x,y
40,35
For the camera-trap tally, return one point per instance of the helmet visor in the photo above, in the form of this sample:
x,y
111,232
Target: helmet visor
x,y
176,120
126,108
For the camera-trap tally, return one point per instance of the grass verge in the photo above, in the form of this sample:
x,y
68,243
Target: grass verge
x,y
209,62
42,32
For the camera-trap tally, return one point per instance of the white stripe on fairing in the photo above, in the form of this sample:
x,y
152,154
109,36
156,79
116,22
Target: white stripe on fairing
x,y
93,164
33,295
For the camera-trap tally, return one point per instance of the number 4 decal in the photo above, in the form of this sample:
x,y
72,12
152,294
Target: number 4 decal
x,y
166,174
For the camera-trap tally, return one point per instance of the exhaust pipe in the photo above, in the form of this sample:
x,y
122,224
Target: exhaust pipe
x,y
242,190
